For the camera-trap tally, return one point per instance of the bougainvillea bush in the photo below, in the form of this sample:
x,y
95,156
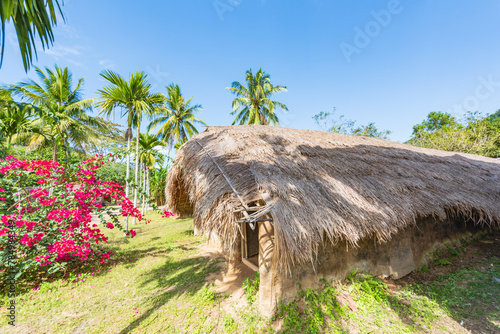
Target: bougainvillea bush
x,y
50,225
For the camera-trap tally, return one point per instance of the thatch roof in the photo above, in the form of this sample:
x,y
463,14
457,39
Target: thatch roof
x,y
319,185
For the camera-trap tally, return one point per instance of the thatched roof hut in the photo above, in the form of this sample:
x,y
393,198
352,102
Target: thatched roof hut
x,y
324,203
319,185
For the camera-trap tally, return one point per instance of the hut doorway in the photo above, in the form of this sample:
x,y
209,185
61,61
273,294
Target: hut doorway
x,y
250,246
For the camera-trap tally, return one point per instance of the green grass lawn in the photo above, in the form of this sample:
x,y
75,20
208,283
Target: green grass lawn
x,y
159,282
153,284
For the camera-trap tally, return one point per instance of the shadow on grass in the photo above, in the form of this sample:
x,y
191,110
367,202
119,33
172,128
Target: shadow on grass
x,y
129,257
467,291
175,277
409,314
188,232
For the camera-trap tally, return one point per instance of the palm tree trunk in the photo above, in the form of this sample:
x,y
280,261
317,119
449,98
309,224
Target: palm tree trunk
x,y
127,187
7,145
140,187
54,151
263,119
136,168
65,148
144,190
141,176
148,191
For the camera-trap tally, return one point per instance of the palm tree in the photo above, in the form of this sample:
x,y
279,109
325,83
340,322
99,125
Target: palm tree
x,y
15,118
253,104
30,18
62,113
149,157
14,122
135,99
176,118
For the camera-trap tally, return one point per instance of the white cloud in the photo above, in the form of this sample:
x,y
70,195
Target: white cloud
x,y
60,51
107,64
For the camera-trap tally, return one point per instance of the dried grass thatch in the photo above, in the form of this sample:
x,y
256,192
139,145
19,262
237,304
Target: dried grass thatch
x,y
319,185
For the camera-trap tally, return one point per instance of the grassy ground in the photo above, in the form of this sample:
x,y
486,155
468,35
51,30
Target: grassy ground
x,y
159,282
459,293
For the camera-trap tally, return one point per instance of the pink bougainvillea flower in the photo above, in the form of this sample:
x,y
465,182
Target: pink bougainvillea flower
x,y
167,214
59,225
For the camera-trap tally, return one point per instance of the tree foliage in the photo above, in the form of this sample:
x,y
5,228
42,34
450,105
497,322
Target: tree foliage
x,y
475,134
436,120
62,116
329,122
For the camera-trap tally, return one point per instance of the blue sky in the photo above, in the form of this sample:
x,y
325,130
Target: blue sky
x,y
388,62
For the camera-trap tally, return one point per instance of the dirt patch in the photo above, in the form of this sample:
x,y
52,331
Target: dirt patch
x,y
227,282
231,276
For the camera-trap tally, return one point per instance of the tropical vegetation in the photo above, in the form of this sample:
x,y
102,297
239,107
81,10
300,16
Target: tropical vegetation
x,y
61,165
136,100
61,116
475,133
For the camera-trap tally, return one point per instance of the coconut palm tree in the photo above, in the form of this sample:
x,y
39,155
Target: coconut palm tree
x,y
30,18
253,104
176,119
136,100
149,157
62,114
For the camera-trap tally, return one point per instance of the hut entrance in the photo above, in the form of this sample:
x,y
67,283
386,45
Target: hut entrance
x,y
250,246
